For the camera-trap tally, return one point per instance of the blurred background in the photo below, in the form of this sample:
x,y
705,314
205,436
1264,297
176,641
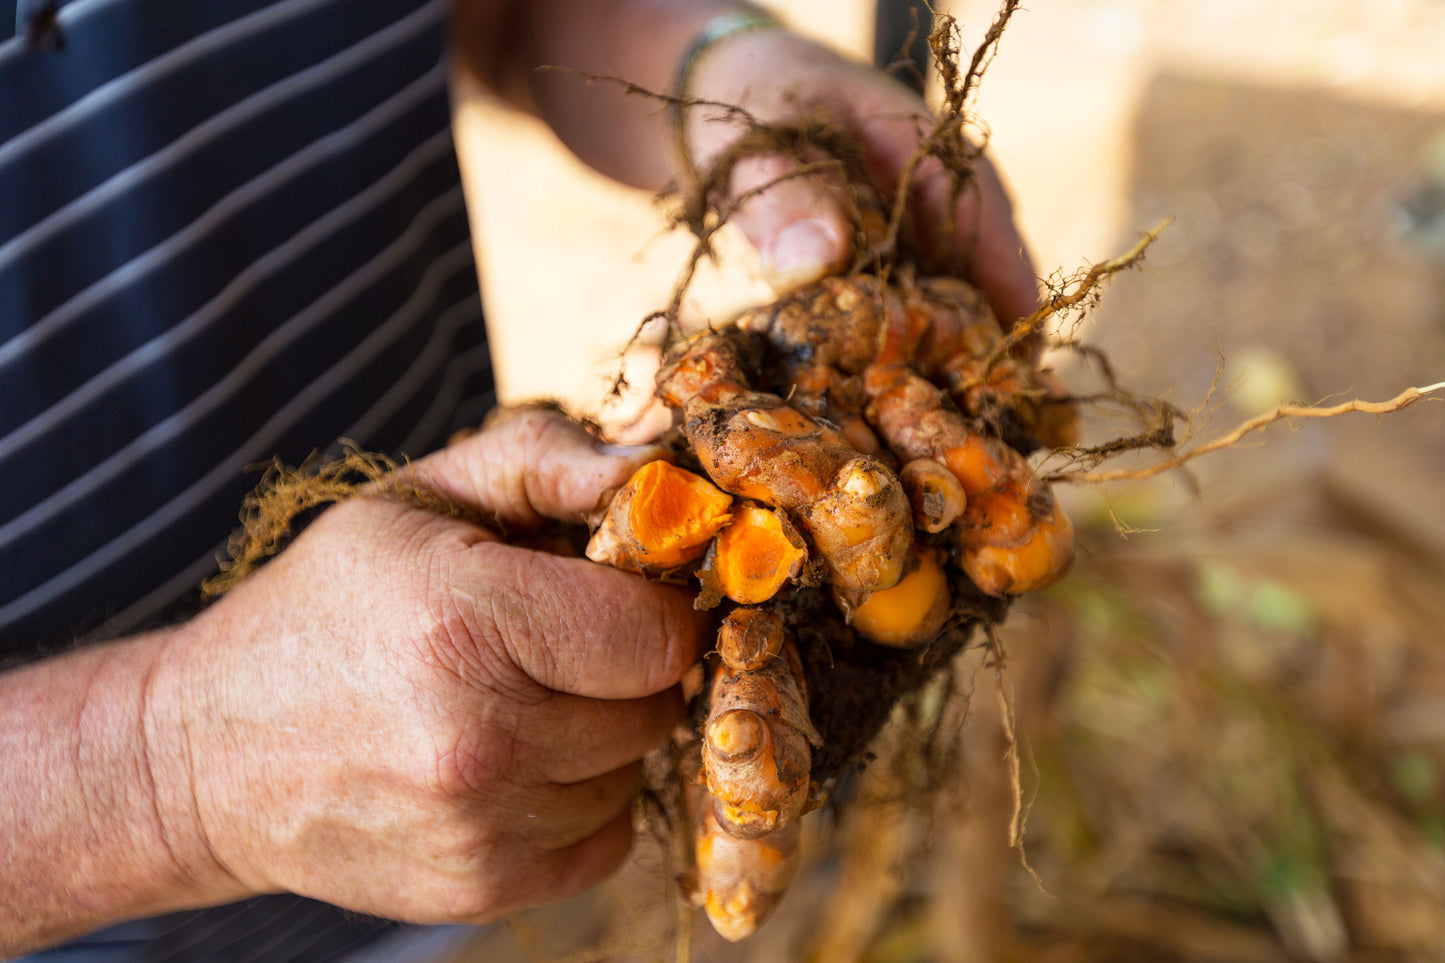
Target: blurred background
x,y
1229,722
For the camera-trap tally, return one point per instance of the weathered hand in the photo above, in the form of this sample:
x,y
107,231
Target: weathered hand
x,y
799,226
405,716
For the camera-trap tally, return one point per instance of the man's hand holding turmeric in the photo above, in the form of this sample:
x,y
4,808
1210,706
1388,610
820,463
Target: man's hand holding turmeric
x,y
403,715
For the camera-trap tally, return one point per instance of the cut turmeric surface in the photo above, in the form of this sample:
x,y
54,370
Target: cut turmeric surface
x,y
755,445
755,555
663,518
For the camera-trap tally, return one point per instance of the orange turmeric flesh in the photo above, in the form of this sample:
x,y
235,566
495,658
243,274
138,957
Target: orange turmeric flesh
x,y
663,518
910,613
756,555
756,445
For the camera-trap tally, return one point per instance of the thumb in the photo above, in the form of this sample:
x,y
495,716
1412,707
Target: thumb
x,y
529,465
797,224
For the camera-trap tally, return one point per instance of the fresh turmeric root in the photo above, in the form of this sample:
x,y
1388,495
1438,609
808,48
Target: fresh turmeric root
x,y
1014,542
912,612
756,445
755,768
864,446
756,746
738,882
749,639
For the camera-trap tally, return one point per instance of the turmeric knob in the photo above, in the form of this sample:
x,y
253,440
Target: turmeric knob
x,y
981,462
936,495
999,516
1037,561
749,639
740,881
757,746
737,735
912,612
862,529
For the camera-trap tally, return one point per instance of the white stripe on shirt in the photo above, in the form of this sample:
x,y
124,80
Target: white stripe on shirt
x,y
218,213
385,407
203,133
448,396
164,431
416,374
248,278
106,94
257,446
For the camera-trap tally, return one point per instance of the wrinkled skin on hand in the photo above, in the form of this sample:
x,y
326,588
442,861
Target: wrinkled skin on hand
x,y
405,716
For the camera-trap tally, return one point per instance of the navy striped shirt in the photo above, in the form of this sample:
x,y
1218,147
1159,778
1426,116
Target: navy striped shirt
x,y
229,229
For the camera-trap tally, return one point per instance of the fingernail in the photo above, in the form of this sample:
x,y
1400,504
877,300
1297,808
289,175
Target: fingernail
x,y
801,253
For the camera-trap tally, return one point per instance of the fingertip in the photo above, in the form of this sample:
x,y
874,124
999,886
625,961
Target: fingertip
x,y
689,634
671,635
801,253
796,224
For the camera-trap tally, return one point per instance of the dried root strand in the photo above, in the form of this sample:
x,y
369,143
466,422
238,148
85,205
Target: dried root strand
x,y
284,494
1079,291
661,520
1400,402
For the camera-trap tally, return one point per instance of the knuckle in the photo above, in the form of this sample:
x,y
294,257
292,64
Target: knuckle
x,y
475,761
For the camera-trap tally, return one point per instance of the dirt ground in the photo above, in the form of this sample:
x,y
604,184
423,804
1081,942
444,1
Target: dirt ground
x,y
1231,721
